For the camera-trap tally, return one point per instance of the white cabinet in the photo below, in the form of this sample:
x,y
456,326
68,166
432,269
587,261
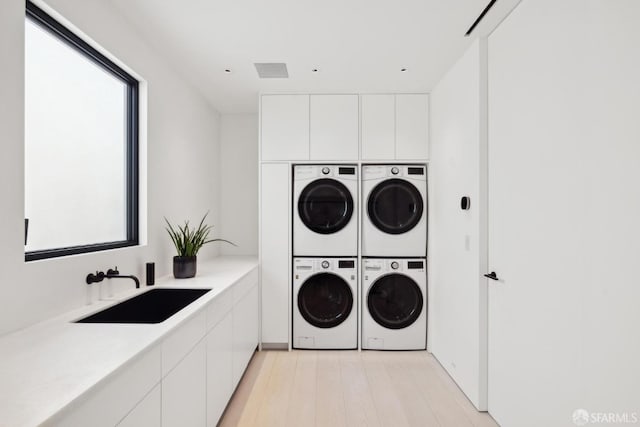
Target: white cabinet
x,y
108,403
182,340
184,391
184,379
412,129
378,127
395,127
245,330
275,208
334,127
230,343
147,412
219,365
202,373
284,127
219,307
329,127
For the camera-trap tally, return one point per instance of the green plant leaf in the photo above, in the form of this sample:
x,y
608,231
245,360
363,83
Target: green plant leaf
x,y
189,240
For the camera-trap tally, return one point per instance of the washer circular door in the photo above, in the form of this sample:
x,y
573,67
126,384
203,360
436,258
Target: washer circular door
x,y
325,206
395,301
325,300
395,206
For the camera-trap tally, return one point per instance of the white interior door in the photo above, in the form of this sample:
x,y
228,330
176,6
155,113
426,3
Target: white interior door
x,y
564,209
534,315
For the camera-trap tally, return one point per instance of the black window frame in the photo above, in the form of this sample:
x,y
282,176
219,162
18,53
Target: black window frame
x,y
45,21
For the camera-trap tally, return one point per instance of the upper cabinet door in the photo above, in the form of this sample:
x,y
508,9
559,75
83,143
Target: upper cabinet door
x,y
378,127
412,130
285,127
334,127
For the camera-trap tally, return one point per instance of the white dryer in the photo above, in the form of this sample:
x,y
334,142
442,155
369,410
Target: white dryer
x,y
394,304
325,209
394,219
324,303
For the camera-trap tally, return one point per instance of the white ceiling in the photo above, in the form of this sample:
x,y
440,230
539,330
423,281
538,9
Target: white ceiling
x,y
357,45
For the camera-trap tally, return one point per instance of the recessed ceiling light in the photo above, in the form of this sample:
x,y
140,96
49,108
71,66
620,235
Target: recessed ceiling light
x,y
227,70
404,70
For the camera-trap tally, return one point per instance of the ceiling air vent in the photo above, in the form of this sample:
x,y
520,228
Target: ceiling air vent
x,y
272,70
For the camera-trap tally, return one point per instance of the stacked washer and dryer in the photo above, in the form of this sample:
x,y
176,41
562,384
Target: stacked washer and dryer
x,y
325,250
393,285
394,250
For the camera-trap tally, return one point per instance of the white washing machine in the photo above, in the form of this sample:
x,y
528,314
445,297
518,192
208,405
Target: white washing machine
x,y
325,210
394,304
325,303
394,218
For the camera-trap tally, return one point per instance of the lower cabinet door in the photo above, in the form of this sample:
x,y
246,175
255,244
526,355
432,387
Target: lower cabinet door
x,y
245,332
109,402
147,412
219,365
184,391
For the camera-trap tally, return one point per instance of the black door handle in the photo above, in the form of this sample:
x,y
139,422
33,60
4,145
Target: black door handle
x,y
492,276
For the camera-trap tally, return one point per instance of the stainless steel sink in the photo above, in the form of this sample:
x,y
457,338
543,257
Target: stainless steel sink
x,y
153,306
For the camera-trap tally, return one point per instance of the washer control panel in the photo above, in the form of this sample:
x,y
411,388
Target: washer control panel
x,y
382,265
303,267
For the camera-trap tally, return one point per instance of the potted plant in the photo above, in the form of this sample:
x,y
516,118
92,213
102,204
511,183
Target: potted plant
x,y
188,241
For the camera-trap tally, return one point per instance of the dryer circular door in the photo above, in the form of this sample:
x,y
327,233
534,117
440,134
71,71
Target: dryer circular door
x,y
325,206
395,206
325,300
394,301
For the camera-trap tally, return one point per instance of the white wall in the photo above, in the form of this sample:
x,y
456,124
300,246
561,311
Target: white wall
x,y
564,150
457,248
239,194
182,171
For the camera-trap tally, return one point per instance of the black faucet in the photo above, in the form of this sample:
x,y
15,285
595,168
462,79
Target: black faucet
x,y
115,274
95,278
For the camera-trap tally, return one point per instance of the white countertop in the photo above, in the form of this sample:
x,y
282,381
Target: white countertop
x,y
45,367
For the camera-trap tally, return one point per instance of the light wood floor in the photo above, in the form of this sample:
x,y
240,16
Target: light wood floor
x,y
349,388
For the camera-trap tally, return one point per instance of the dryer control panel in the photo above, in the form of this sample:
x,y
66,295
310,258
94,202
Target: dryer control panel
x,y
303,172
394,171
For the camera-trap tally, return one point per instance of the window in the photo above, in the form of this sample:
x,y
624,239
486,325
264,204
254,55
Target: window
x,y
81,145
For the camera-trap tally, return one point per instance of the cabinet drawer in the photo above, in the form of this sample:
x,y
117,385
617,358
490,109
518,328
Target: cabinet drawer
x,y
244,285
181,341
219,307
147,413
108,403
